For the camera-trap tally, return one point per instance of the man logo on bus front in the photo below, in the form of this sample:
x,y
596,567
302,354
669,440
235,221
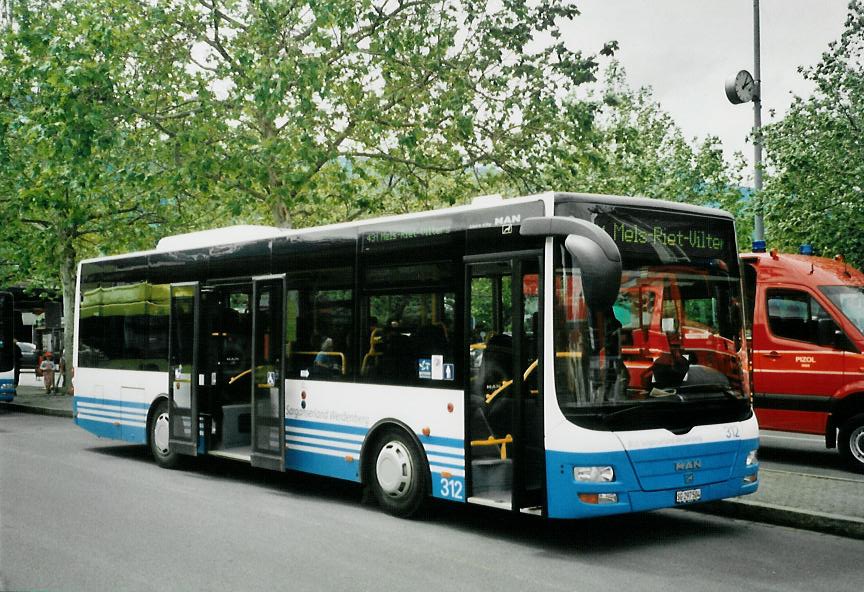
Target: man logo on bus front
x,y
688,465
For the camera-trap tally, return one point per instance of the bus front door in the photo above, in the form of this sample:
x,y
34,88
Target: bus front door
x,y
268,371
183,376
505,425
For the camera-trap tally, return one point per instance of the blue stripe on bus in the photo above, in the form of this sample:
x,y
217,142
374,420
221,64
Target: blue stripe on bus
x,y
448,465
442,441
362,431
322,464
301,460
289,432
108,429
330,427
342,449
112,402
454,455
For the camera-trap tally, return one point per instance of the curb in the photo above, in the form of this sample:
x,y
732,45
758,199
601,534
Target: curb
x,y
753,511
38,410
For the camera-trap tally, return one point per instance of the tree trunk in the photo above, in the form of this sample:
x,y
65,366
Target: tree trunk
x,y
68,279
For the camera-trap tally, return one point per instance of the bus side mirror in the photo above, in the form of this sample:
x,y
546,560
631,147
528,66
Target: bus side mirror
x,y
601,278
597,254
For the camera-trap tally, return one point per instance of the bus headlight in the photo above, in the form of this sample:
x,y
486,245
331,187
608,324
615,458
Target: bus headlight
x,y
751,458
594,474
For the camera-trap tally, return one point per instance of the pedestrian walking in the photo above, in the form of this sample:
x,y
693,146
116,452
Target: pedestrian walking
x,y
47,367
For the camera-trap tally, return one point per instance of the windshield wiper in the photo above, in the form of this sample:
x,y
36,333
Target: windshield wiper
x,y
671,402
712,389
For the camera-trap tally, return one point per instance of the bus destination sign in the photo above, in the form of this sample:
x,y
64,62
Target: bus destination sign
x,y
659,235
663,237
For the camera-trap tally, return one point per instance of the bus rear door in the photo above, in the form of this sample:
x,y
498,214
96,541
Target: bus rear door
x,y
268,373
183,376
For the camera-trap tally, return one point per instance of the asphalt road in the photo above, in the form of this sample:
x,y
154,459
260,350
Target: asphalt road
x,y
78,513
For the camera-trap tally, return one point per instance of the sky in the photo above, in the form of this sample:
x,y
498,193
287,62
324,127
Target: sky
x,y
686,49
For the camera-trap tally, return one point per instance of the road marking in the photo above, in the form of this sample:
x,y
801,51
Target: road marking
x,y
800,474
814,439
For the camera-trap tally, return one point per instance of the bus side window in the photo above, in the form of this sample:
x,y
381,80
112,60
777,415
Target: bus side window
x,y
318,334
414,344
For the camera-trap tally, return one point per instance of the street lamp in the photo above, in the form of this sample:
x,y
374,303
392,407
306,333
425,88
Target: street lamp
x,y
745,88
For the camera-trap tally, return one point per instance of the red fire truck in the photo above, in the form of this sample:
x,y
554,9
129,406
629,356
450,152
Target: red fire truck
x,y
807,336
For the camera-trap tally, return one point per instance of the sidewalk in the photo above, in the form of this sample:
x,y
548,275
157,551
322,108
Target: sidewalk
x,y
31,398
831,505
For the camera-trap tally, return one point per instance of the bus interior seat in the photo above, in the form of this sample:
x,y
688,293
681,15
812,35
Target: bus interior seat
x,y
370,359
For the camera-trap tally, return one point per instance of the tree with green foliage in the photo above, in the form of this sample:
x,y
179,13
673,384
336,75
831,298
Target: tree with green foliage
x,y
343,108
815,155
85,166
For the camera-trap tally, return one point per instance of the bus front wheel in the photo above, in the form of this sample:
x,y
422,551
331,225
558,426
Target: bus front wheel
x,y
851,442
157,433
397,475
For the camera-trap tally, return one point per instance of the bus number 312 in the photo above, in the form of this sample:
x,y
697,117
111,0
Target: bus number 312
x,y
451,488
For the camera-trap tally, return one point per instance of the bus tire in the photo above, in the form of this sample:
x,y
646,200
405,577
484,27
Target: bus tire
x,y
851,442
398,474
157,437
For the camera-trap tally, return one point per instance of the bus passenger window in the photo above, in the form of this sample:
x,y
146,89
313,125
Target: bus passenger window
x,y
124,326
318,334
414,342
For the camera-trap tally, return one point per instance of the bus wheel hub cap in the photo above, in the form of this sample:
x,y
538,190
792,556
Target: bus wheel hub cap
x,y
160,433
393,470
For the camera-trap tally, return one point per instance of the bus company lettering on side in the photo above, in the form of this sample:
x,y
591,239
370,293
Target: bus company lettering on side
x,y
808,368
509,353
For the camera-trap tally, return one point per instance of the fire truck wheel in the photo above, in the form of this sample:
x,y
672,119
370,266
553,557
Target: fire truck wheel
x,y
851,442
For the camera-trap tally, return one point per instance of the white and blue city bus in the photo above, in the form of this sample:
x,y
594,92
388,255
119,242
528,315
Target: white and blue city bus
x,y
8,359
495,354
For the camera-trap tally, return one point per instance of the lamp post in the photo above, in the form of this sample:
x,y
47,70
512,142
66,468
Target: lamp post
x,y
744,88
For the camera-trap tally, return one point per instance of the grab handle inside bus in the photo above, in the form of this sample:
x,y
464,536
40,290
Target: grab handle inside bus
x,y
592,248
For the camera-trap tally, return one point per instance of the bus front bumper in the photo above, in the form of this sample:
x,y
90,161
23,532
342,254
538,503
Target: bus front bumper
x,y
702,475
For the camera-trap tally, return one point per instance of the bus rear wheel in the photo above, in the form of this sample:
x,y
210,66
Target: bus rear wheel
x,y
398,475
157,437
851,442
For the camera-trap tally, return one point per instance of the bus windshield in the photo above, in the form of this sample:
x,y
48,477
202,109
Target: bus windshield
x,y
670,349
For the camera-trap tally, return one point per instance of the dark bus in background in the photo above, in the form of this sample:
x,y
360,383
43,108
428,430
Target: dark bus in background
x,y
7,347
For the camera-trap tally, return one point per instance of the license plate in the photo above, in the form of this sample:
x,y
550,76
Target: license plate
x,y
688,496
